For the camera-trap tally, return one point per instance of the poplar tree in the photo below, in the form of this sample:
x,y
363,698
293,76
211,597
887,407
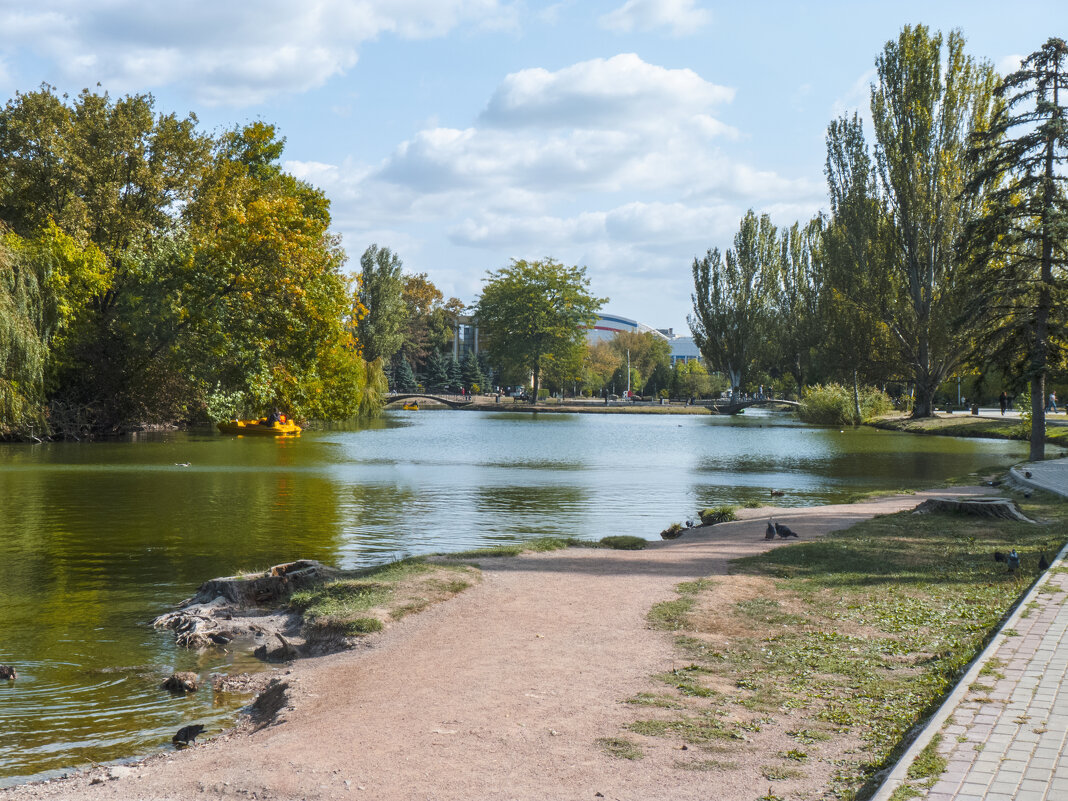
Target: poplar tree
x,y
730,298
1016,245
924,109
381,291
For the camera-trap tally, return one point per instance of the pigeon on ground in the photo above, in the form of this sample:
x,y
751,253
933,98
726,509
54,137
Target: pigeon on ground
x,y
187,735
1043,563
1013,560
1000,557
769,533
784,531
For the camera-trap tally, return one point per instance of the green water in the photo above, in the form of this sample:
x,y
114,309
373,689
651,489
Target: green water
x,y
97,539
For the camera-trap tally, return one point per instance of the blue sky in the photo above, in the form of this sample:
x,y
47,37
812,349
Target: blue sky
x,y
627,136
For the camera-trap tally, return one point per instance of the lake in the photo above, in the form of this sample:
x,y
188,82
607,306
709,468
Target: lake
x,y
96,539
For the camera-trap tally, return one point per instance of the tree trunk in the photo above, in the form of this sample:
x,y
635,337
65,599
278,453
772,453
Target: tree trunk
x,y
1038,418
857,418
537,381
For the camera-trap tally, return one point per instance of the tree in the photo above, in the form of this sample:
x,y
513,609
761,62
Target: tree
x,y
436,376
470,373
924,109
646,350
404,380
797,289
530,312
858,252
600,360
452,369
730,300
1015,245
382,292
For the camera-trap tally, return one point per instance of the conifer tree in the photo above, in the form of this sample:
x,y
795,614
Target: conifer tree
x,y
404,378
436,375
456,379
1016,246
470,373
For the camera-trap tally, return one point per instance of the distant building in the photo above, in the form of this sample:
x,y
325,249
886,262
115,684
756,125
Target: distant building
x,y
464,337
608,325
683,349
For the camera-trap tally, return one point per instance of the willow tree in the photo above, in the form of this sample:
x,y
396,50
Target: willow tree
x,y
1016,245
730,298
531,313
926,103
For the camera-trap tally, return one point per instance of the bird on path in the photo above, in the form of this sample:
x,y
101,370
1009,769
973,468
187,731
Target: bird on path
x,y
769,532
187,735
785,531
8,672
1043,563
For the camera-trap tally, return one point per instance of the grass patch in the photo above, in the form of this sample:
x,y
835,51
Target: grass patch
x,y
856,636
965,425
718,514
620,748
359,602
624,542
929,764
539,545
778,773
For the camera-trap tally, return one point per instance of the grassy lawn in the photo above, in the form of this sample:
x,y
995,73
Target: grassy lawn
x,y
841,645
965,425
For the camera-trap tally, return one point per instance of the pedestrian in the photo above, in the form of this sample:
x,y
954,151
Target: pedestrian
x,y
1052,405
1004,401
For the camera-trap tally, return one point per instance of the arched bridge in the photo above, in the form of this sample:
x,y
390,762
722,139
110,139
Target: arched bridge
x,y
733,406
452,401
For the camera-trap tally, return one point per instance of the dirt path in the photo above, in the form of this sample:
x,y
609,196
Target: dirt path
x,y
500,693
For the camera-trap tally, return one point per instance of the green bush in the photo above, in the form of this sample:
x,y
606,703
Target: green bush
x,y
718,514
672,531
832,404
624,542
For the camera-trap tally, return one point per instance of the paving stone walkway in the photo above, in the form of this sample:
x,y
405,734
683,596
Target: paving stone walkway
x,y
1004,730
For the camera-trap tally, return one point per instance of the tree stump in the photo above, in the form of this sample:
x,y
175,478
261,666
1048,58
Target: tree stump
x,y
268,587
994,508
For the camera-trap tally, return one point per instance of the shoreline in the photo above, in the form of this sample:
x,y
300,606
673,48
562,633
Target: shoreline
x,y
418,682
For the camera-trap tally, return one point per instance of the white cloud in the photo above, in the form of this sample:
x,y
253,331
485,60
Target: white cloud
x,y
600,93
1009,64
681,16
222,52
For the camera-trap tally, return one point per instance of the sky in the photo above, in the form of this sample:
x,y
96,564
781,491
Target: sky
x,y
625,136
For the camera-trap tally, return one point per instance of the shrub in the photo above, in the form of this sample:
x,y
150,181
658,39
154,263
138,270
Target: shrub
x,y
832,404
718,514
624,542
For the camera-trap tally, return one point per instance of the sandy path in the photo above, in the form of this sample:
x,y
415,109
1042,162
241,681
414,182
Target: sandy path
x,y
500,693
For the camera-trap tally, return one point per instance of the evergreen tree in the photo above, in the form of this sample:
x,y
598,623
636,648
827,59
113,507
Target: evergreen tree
x,y
1016,246
470,372
436,374
456,378
404,378
489,374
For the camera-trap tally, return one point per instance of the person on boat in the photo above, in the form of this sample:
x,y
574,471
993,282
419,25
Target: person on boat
x,y
274,417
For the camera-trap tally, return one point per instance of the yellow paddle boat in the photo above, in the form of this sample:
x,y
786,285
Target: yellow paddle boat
x,y
259,428
411,407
